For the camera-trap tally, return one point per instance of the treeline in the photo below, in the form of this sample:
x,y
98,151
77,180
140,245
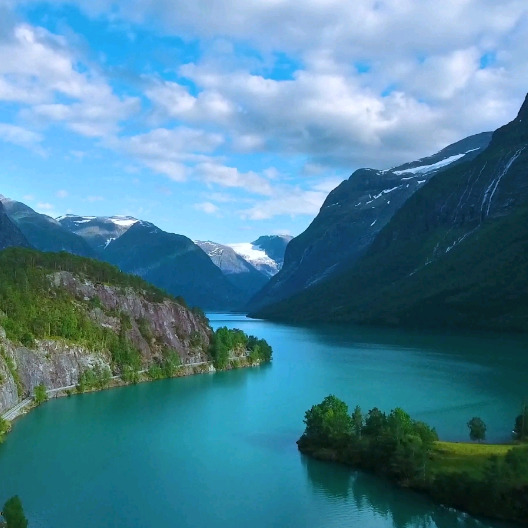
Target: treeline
x,y
30,308
403,449
229,343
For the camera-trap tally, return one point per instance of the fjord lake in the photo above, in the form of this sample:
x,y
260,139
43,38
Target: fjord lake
x,y
218,450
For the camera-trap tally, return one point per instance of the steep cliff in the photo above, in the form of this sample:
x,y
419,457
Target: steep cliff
x,y
86,316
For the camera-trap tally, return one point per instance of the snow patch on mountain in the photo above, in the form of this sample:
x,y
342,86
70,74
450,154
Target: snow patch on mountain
x,y
256,256
421,169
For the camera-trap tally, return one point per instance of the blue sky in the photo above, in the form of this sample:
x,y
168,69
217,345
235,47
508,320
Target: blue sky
x,y
224,120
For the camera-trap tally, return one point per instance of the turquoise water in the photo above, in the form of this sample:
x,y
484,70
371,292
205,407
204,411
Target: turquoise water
x,y
218,450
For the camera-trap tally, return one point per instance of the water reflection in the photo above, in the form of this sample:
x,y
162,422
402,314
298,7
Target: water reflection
x,y
369,493
337,486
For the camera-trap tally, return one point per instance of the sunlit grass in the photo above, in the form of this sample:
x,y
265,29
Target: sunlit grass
x,y
448,457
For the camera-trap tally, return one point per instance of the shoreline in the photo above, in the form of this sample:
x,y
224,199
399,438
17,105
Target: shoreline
x,y
193,369
332,455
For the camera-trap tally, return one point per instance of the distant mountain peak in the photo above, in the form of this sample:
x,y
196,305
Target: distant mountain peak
x,y
266,253
98,231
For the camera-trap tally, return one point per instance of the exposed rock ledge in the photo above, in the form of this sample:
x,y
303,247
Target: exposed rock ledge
x,y
57,363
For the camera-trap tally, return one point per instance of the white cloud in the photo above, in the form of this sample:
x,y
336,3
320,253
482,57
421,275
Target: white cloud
x,y
368,83
62,193
428,79
212,172
45,206
37,68
168,151
21,136
287,201
206,207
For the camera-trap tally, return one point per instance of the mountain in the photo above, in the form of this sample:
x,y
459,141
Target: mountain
x,y
238,271
352,216
43,232
266,253
10,235
174,263
98,231
455,255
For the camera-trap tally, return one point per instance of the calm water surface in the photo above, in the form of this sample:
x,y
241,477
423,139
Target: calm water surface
x,y
218,450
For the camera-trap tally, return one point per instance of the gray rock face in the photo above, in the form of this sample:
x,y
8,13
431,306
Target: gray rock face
x,y
56,363
170,323
8,388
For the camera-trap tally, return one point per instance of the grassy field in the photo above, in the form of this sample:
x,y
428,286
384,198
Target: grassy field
x,y
451,457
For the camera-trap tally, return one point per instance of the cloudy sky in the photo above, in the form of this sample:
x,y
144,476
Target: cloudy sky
x,y
228,119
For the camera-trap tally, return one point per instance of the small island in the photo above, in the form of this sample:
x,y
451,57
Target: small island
x,y
482,479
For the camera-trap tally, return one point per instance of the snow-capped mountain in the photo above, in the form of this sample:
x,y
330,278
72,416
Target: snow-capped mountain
x,y
266,253
98,231
237,269
43,232
352,216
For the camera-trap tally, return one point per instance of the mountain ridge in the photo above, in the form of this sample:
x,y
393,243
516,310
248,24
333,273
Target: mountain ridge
x,y
352,216
455,255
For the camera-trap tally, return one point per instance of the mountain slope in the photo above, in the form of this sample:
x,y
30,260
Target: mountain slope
x,y
174,263
237,270
456,254
43,232
266,253
352,216
10,235
98,231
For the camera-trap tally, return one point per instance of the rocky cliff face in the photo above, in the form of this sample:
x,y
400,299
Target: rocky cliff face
x,y
154,328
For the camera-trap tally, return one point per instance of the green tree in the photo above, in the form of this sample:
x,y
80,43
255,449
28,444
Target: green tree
x,y
520,429
4,428
375,423
357,420
13,513
477,429
40,394
328,422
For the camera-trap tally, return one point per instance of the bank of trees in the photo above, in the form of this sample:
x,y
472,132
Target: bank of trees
x,y
229,343
405,450
4,428
13,513
393,443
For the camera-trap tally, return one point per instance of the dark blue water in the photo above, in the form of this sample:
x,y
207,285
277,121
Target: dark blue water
x,y
218,450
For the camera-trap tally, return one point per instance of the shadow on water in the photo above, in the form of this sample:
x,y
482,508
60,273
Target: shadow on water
x,y
404,508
